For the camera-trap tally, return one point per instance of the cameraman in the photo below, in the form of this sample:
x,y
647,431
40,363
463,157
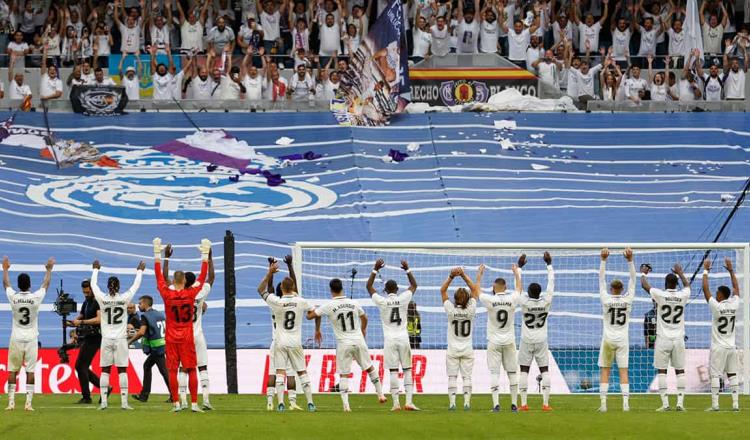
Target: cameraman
x,y
90,339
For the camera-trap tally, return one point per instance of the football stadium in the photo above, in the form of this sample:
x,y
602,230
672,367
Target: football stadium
x,y
319,218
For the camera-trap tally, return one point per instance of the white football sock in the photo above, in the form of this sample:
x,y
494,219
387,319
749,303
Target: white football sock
x,y
409,387
375,379
662,381
681,382
304,380
29,393
182,380
513,380
523,387
11,393
203,374
734,385
344,389
495,388
452,390
625,388
103,387
545,387
123,388
467,391
603,390
715,384
270,391
394,384
280,389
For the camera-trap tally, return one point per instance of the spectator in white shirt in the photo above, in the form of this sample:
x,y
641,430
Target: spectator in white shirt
x,y
440,37
159,28
50,86
488,34
713,30
220,38
649,36
634,84
689,90
276,89
519,39
191,29
534,53
330,38
350,39
253,80
548,69
676,36
734,76
589,29
621,34
421,39
467,30
609,80
301,85
167,82
270,20
657,83
130,31
301,36
17,89
131,79
100,79
102,44
19,48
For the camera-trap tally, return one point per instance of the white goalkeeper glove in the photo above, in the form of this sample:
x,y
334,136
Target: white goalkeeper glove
x,y
157,248
205,248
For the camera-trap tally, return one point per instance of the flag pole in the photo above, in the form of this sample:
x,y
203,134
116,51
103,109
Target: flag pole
x,y
48,139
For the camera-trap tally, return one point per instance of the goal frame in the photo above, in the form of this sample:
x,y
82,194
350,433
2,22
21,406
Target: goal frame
x,y
744,248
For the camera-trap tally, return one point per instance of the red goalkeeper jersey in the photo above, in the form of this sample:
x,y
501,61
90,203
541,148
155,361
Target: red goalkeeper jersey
x,y
179,306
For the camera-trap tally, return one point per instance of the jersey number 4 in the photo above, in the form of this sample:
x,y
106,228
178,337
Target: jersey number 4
x,y
671,315
395,316
114,315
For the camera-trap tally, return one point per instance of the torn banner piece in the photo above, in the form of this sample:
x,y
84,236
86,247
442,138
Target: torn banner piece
x,y
217,147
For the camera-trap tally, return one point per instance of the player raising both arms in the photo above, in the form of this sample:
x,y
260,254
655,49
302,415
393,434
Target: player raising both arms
x,y
723,350
201,350
291,382
179,308
349,323
114,325
24,345
535,307
460,353
396,348
501,339
288,312
670,331
615,341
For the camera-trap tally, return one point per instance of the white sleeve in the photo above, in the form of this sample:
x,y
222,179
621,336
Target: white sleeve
x,y
406,295
360,310
98,294
271,299
602,279
203,294
550,281
713,305
319,311
656,293
377,299
136,285
631,278
485,299
448,306
685,292
9,292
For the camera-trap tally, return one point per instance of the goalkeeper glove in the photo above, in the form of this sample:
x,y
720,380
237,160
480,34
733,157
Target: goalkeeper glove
x,y
157,248
205,248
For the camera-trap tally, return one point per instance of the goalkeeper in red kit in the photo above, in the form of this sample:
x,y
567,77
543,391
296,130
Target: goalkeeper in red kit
x,y
179,309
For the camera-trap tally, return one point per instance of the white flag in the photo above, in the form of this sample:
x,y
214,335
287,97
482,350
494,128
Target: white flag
x,y
692,29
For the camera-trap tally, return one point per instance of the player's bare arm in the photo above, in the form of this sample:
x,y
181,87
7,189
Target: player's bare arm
x,y
705,285
730,268
379,264
550,273
516,268
604,254
271,289
290,267
48,274
363,324
211,270
645,269
476,290
167,255
6,277
456,271
677,269
410,276
628,254
272,269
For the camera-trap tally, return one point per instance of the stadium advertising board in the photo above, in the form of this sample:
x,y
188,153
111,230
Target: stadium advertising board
x,y
457,86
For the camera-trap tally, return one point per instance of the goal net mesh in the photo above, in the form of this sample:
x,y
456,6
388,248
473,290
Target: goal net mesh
x,y
575,321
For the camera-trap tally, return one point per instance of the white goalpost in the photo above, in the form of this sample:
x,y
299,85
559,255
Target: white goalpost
x,y
575,321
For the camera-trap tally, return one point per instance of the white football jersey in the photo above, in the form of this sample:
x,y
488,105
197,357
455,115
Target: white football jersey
x,y
25,307
393,314
501,312
616,308
344,315
723,316
460,325
536,311
198,317
670,310
114,323
289,312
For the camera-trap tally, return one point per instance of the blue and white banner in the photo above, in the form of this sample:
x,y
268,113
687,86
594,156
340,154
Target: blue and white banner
x,y
376,85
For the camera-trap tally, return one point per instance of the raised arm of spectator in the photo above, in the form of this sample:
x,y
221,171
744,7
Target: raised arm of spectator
x,y
575,18
701,13
118,9
181,13
534,24
44,59
604,13
724,15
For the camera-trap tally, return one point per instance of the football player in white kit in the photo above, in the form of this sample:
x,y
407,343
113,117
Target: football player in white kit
x,y
723,349
670,331
616,309
288,312
396,349
461,313
501,338
23,347
291,382
535,307
114,325
201,350
349,323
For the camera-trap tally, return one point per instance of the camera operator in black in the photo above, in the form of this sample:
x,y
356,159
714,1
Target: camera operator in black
x,y
90,339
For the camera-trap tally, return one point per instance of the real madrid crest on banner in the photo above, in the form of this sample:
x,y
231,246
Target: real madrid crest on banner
x,y
463,92
98,100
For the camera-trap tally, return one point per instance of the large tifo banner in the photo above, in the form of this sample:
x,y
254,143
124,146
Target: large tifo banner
x,y
98,100
376,85
428,366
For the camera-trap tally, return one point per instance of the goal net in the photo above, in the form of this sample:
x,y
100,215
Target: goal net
x,y
575,321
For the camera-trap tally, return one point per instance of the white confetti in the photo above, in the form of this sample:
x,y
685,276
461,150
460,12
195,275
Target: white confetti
x,y
284,141
506,144
482,150
537,136
505,124
685,199
387,159
457,153
412,147
313,180
213,180
169,178
727,198
460,132
538,167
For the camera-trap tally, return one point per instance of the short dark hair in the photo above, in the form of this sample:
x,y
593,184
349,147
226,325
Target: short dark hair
x,y
86,284
336,285
500,281
670,281
391,286
535,289
113,284
148,299
724,290
189,279
98,69
24,282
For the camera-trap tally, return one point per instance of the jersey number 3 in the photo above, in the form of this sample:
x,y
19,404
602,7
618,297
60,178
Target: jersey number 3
x,y
26,318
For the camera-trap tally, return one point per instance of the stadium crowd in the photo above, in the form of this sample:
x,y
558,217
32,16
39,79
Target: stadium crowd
x,y
236,49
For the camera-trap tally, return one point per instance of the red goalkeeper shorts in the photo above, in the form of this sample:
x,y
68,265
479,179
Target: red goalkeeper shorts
x,y
181,353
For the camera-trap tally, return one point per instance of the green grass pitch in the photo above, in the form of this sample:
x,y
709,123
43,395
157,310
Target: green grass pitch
x,y
245,417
